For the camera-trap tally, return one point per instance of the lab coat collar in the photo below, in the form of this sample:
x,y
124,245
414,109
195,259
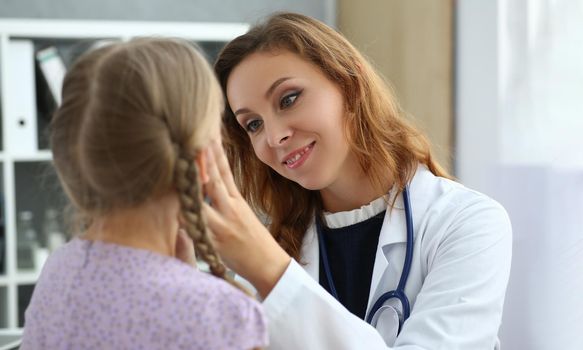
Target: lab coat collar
x,y
394,228
393,231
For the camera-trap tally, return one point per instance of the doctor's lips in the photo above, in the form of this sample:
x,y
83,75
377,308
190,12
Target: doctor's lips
x,y
297,157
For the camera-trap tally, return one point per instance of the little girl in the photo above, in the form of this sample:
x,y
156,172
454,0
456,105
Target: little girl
x,y
129,145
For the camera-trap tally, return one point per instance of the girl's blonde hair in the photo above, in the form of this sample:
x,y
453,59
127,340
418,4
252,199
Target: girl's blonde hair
x,y
133,117
387,146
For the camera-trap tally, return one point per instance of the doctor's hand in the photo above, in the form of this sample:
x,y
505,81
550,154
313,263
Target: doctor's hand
x,y
240,238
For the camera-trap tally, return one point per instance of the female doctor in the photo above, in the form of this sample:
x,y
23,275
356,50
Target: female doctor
x,y
369,244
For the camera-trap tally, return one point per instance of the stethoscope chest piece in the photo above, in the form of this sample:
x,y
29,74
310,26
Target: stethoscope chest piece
x,y
386,320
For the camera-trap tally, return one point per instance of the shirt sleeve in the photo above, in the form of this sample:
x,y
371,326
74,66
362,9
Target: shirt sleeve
x,y
245,324
253,334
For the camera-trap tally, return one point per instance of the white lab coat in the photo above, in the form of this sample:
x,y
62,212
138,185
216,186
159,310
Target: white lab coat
x,y
456,286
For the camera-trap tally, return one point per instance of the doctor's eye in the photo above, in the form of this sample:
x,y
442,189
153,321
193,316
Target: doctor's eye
x,y
253,125
288,100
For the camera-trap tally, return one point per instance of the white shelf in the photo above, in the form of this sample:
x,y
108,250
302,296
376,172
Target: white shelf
x,y
3,281
26,277
10,338
20,278
39,156
48,28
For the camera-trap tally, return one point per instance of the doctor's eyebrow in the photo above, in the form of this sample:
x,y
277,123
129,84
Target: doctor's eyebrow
x,y
241,111
274,85
267,94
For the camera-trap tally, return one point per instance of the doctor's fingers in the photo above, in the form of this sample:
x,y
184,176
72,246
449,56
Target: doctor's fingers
x,y
230,242
220,229
215,188
220,159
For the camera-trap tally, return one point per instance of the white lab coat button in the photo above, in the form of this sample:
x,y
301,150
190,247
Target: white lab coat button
x,y
386,321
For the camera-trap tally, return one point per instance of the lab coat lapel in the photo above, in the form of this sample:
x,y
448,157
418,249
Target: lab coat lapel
x,y
310,253
393,231
389,262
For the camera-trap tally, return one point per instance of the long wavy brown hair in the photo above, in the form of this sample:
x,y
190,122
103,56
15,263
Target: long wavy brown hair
x,y
133,117
388,147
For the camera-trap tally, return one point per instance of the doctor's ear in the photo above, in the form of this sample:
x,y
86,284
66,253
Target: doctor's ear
x,y
201,162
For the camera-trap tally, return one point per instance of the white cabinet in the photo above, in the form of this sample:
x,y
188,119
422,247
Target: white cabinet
x,y
27,182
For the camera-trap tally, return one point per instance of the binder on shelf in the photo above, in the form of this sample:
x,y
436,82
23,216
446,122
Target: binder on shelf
x,y
20,132
53,69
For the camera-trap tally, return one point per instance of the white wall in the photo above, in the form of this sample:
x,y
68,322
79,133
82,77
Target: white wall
x,y
519,106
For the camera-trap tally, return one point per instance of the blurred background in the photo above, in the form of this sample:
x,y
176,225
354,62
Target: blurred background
x,y
496,84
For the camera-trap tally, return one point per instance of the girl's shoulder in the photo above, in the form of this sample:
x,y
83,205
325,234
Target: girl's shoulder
x,y
212,303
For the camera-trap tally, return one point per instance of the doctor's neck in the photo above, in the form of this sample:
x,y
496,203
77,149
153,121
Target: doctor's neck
x,y
352,192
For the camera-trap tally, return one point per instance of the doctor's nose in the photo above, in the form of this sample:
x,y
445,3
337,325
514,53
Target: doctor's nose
x,y
278,135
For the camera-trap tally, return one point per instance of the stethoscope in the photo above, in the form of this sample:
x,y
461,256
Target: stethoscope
x,y
399,293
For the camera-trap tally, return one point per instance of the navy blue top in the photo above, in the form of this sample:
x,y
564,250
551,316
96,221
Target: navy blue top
x,y
351,254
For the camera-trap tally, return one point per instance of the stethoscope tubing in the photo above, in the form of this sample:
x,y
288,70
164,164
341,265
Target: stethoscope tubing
x,y
398,293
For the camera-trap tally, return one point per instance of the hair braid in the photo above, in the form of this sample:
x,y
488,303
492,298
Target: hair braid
x,y
190,194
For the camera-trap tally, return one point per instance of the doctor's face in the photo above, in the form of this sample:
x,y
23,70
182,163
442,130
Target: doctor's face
x,y
293,115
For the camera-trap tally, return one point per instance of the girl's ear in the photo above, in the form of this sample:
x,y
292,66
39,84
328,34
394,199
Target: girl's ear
x,y
201,163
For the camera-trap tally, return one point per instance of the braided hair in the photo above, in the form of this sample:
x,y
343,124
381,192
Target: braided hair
x,y
190,194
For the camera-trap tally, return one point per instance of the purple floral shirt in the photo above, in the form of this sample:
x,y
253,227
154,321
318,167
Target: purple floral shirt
x,y
95,295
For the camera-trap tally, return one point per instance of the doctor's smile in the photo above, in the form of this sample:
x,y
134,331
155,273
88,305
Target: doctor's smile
x,y
298,157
